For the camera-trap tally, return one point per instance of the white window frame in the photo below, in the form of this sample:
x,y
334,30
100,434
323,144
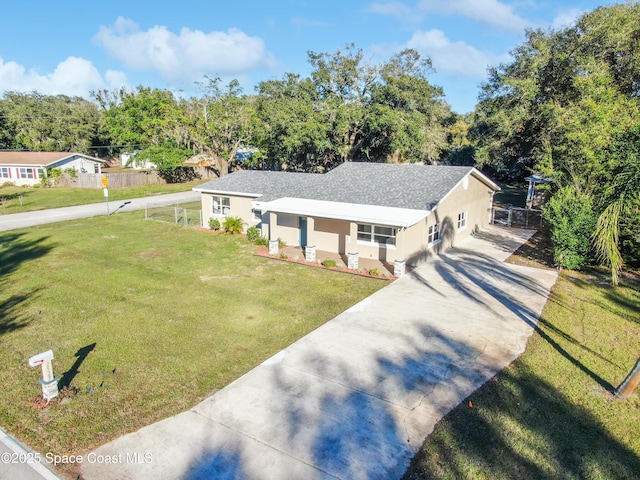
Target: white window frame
x,y
433,237
220,205
462,221
28,173
5,172
257,215
378,235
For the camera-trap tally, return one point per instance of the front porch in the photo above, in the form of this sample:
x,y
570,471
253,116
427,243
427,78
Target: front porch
x,y
385,268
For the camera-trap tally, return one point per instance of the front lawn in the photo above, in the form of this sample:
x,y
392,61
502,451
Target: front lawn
x,y
145,320
26,199
552,414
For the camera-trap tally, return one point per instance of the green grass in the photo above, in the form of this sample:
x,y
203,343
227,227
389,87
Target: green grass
x,y
26,199
511,195
551,414
174,314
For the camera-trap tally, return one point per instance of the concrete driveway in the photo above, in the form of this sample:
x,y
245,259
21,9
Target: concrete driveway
x,y
41,217
356,398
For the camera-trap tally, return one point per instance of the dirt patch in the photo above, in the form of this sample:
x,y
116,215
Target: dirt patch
x,y
536,252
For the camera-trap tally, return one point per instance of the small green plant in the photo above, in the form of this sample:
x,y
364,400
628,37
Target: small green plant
x,y
233,225
253,234
329,263
374,272
283,255
281,243
262,241
214,224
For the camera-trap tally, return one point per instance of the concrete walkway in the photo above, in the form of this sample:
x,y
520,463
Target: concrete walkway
x,y
355,398
41,217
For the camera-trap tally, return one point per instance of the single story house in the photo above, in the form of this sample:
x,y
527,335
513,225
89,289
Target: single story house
x,y
28,168
382,211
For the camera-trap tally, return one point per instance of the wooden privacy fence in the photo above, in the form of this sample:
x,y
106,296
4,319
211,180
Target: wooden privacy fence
x,y
116,180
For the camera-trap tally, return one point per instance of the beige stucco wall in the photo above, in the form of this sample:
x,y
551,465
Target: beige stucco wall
x,y
328,235
475,199
240,207
285,227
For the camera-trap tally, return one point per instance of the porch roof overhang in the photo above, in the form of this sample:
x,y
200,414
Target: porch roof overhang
x,y
353,212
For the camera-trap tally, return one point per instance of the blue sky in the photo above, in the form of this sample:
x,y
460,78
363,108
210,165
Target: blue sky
x,y
72,47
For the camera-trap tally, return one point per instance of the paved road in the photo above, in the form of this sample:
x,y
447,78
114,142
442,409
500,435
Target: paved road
x,y
17,462
30,219
355,398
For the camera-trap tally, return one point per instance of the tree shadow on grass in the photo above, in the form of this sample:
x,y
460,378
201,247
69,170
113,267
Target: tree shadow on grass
x,y
625,298
14,251
521,427
12,316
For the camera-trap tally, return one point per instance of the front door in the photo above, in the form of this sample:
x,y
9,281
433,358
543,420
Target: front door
x,y
302,225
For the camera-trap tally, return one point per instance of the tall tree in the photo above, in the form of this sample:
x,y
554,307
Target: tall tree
x,y
222,122
33,121
139,118
408,119
343,83
567,97
353,110
291,131
561,101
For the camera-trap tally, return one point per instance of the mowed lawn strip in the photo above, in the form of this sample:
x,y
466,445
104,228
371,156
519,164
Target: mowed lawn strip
x,y
174,313
27,199
551,414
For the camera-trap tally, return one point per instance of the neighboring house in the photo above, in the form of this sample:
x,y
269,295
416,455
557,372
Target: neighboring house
x,y
29,168
130,160
383,211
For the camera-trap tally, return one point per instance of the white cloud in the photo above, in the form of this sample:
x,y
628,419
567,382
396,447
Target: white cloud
x,y
185,56
73,76
490,12
396,9
454,58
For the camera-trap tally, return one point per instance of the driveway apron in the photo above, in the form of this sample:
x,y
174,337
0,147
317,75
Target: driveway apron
x,y
355,398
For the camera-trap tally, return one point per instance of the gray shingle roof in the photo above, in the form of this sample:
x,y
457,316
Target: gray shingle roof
x,y
413,186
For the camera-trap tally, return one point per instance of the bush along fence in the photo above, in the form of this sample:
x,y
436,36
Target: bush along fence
x,y
186,214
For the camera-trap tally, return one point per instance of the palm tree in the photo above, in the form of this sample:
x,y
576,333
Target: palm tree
x,y
623,194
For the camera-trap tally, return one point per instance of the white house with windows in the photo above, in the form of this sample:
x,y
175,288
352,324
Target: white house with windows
x,y
383,211
29,168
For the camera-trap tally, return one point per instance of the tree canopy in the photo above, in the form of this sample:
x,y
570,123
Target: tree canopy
x,y
564,108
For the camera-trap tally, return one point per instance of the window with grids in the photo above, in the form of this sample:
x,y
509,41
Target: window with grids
x,y
377,234
434,234
4,172
462,220
221,205
27,173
